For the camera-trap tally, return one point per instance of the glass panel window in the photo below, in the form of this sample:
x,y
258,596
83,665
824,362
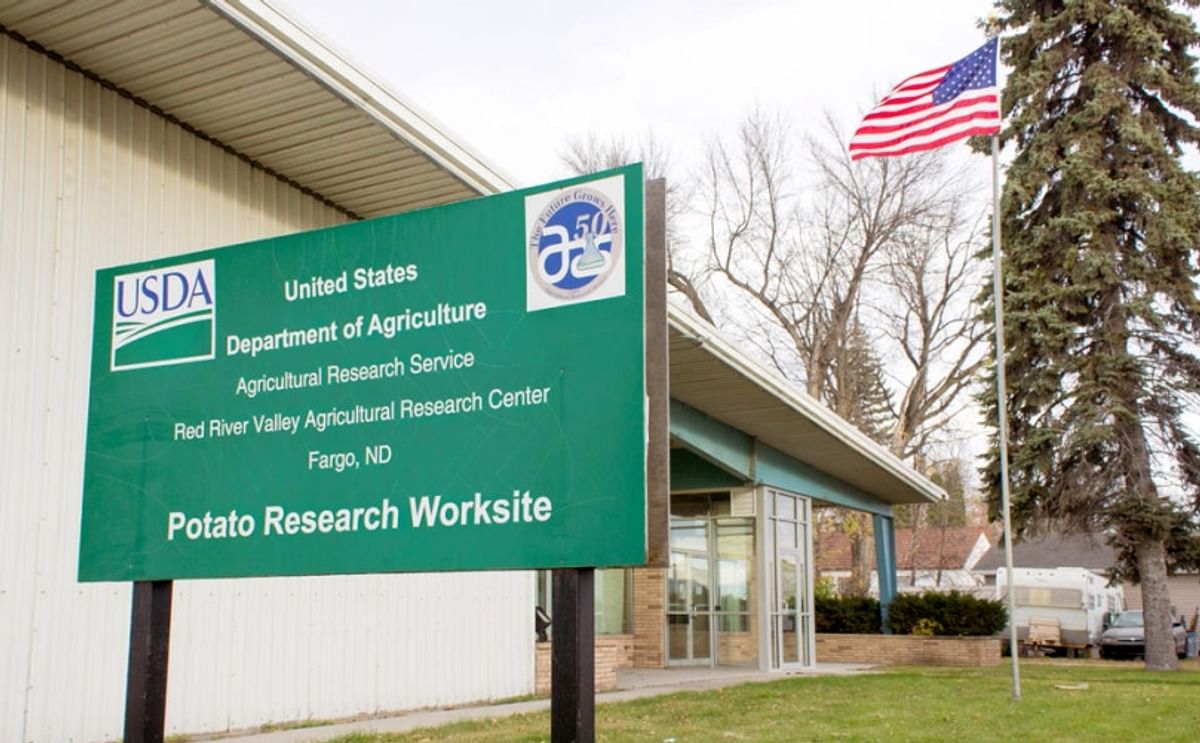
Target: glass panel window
x,y
610,604
791,639
785,506
733,589
735,549
773,599
787,581
689,535
700,592
776,637
543,589
785,535
677,583
735,538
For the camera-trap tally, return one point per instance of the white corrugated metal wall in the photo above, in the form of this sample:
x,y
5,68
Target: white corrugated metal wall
x,y
89,179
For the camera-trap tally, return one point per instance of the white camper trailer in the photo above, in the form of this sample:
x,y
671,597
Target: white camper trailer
x,y
1060,608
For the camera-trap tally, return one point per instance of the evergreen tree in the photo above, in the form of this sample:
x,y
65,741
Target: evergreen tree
x,y
952,512
947,514
1101,236
857,389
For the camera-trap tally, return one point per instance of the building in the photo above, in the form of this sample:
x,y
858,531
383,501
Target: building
x,y
926,559
140,130
1049,551
1052,551
1185,598
1093,554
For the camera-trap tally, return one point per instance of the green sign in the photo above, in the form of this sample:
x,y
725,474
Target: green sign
x,y
458,388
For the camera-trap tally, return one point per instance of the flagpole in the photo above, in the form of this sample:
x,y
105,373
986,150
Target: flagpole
x,y
1002,414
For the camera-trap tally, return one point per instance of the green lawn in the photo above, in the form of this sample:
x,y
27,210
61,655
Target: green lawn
x,y
1121,703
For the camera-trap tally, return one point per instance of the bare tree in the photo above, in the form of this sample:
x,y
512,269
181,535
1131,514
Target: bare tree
x,y
841,274
805,261
934,277
934,520
590,154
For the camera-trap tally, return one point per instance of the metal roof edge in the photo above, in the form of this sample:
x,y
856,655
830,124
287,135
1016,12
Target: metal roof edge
x,y
293,41
770,381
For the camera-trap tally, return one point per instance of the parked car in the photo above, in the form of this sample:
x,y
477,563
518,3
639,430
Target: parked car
x,y
1126,636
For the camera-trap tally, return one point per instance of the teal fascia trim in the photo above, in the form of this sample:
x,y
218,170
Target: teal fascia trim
x,y
690,471
720,444
779,470
885,562
750,461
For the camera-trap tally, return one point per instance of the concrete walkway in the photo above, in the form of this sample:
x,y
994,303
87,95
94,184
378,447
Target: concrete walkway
x,y
632,683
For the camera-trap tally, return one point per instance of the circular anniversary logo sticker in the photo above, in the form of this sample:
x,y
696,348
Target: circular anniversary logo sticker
x,y
575,243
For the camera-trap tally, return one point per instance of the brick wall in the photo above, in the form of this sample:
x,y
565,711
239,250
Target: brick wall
x,y
612,652
737,648
643,649
908,650
649,617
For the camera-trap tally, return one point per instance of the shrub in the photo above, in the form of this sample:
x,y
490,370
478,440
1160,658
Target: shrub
x,y
847,615
823,588
926,628
950,613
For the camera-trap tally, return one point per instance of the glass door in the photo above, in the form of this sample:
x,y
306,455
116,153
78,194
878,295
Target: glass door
x,y
791,597
710,591
689,608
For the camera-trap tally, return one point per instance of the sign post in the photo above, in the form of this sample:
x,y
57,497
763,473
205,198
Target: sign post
x,y
658,465
149,646
573,657
457,388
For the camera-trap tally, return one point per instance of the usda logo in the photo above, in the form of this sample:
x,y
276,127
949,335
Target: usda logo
x,y
164,316
574,244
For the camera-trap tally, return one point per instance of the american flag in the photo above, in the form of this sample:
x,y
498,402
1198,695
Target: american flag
x,y
933,108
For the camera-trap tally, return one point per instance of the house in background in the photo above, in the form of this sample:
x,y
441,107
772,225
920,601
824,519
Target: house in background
x,y
1185,597
1092,553
1047,552
938,559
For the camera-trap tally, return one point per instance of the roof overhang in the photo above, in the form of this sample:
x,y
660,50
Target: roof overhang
x,y
710,374
251,78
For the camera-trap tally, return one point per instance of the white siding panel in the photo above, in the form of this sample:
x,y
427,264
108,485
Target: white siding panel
x,y
252,650
88,179
1185,595
235,71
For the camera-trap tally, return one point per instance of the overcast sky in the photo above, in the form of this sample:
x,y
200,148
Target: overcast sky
x,y
517,80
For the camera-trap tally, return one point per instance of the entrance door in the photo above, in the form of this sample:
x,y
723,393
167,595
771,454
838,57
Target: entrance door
x,y
689,608
791,597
